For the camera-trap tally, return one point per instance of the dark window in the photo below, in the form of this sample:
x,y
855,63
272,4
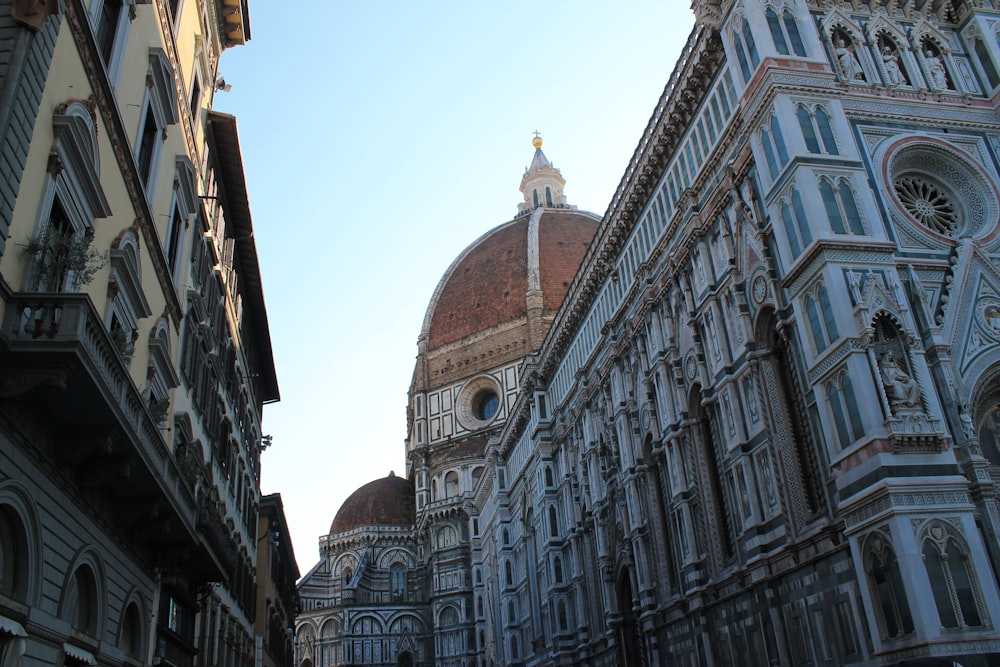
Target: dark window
x,y
147,144
107,28
174,241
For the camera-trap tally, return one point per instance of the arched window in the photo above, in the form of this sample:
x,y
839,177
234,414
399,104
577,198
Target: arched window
x,y
80,603
986,61
397,577
808,130
793,218
844,406
891,607
511,612
534,195
826,131
348,575
508,573
549,482
821,320
816,129
775,151
479,606
557,573
130,639
13,556
434,490
515,653
953,580
841,207
548,196
553,522
449,618
451,484
785,33
563,621
746,50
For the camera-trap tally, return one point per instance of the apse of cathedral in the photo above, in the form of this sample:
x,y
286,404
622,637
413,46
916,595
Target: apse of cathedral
x,y
751,415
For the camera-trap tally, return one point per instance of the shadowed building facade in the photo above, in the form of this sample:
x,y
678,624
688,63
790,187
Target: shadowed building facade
x,y
135,354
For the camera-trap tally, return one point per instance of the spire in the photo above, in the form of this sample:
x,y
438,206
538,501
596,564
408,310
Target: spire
x,y
542,184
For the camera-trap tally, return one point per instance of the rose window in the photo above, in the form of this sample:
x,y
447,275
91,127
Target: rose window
x,y
928,202
940,189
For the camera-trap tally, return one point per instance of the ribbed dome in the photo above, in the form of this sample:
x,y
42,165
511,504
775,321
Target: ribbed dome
x,y
488,284
385,502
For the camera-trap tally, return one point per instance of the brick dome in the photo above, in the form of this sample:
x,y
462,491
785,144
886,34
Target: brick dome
x,y
488,284
385,502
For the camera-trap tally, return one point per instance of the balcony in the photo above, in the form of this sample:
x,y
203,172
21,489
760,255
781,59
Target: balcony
x,y
86,416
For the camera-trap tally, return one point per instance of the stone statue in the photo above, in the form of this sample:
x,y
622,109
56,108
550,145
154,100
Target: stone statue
x,y
900,388
890,60
968,427
939,76
849,64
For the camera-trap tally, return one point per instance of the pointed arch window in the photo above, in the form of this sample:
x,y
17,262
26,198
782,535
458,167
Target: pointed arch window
x,y
822,324
793,218
746,50
892,609
785,32
841,206
397,577
508,571
844,406
548,196
816,129
773,144
986,62
953,581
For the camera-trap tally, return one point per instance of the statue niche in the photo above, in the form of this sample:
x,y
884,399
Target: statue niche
x,y
898,381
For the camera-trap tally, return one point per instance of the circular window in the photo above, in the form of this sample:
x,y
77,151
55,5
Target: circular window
x,y
485,405
939,188
478,403
929,202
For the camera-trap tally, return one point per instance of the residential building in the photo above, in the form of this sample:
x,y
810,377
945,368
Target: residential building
x,y
277,572
135,356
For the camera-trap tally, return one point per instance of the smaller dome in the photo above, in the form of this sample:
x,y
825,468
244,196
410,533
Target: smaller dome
x,y
389,501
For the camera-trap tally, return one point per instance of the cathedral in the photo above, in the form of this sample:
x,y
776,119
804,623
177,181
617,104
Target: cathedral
x,y
750,415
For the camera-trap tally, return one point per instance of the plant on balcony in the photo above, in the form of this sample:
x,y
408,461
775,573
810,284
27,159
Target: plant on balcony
x,y
158,408
60,254
123,343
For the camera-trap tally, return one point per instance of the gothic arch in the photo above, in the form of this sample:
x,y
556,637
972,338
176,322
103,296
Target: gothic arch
x,y
346,561
630,638
396,554
794,452
982,408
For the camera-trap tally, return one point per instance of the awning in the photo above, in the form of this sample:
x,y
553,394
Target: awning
x,y
78,653
10,627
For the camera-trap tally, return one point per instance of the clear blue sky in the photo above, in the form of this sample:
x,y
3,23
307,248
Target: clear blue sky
x,y
380,138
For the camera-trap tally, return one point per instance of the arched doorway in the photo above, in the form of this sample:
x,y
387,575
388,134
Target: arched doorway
x,y
405,659
629,636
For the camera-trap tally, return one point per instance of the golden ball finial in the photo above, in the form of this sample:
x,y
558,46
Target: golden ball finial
x,y
537,141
